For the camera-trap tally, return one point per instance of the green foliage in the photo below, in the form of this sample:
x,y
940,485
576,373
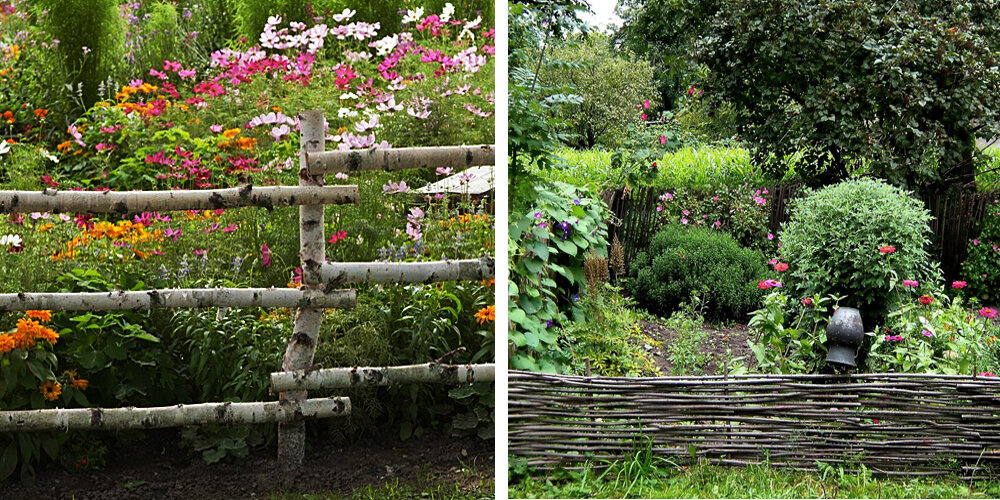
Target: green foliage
x,y
685,351
546,248
612,340
162,36
982,266
906,86
791,333
941,337
833,239
91,37
609,84
532,124
684,260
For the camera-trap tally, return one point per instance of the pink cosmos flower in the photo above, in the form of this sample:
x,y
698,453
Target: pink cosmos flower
x,y
265,255
173,233
770,237
927,333
230,228
659,208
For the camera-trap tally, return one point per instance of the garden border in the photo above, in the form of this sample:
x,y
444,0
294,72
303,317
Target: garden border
x,y
894,424
316,293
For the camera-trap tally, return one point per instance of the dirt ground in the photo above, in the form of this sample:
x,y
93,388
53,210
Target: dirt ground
x,y
157,469
717,341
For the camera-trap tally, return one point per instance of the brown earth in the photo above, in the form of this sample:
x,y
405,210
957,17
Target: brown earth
x,y
157,469
717,341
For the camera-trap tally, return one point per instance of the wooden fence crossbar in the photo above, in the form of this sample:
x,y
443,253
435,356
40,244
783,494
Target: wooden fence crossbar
x,y
340,273
124,202
179,298
171,416
329,162
342,378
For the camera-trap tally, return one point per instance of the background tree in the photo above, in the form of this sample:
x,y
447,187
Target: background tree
x,y
901,89
608,83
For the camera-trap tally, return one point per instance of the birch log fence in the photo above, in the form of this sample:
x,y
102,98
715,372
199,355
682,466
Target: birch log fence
x,y
894,424
320,280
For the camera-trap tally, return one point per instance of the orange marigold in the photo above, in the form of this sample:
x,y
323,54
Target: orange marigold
x,y
486,314
42,316
50,390
233,132
41,113
6,343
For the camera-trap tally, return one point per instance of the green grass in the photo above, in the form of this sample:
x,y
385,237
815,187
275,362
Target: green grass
x,y
661,479
988,167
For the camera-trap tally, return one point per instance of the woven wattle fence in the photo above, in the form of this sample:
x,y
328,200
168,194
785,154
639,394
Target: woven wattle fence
x,y
894,424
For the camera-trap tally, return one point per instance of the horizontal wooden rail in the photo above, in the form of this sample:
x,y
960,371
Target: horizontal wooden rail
x,y
329,162
180,298
171,416
340,273
341,378
124,202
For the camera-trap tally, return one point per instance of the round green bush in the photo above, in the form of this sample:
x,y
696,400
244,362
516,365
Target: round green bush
x,y
682,260
859,239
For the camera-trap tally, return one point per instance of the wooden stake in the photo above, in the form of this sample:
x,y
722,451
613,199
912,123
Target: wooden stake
x,y
302,346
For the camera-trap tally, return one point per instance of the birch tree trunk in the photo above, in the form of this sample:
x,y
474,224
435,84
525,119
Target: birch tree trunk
x,y
339,273
170,416
179,298
329,162
312,244
125,202
337,378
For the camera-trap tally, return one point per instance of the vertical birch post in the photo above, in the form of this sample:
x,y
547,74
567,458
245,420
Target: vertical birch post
x,y
302,346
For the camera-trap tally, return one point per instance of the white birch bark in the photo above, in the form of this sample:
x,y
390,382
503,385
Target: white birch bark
x,y
337,378
339,273
329,162
312,244
179,298
171,416
124,202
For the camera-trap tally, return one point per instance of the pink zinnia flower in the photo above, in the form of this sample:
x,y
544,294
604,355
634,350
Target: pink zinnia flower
x,y
911,283
663,139
988,312
958,284
887,249
781,267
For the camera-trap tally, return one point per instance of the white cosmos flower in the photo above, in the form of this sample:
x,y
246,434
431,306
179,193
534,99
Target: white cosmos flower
x,y
413,16
449,10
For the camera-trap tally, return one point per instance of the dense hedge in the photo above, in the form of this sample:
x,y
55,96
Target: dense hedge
x,y
683,260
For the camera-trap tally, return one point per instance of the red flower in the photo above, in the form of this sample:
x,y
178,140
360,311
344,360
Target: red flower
x,y
781,267
763,284
926,300
887,249
48,180
643,116
808,302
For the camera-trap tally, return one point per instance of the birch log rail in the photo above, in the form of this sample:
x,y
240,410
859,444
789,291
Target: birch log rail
x,y
124,202
895,424
329,162
343,378
171,416
340,273
179,298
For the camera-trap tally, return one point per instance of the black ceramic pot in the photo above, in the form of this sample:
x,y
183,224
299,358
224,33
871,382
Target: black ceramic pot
x,y
844,336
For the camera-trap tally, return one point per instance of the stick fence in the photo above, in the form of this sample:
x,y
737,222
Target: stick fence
x,y
316,294
894,424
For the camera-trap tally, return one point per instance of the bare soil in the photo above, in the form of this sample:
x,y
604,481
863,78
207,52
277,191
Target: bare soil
x,y
718,340
157,469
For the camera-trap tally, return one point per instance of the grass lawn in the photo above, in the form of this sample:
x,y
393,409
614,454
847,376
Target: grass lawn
x,y
645,479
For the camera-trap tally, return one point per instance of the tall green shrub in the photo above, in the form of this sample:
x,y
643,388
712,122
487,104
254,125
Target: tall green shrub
x,y
857,238
982,267
91,39
162,36
683,260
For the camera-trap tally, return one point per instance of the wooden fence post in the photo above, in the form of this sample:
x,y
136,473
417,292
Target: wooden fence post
x,y
302,346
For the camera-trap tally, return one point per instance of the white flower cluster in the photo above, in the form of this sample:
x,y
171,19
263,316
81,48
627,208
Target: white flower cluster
x,y
296,36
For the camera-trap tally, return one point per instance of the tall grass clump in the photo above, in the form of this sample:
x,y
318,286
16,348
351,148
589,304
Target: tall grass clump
x,y
91,38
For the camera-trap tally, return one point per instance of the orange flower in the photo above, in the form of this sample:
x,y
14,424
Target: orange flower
x,y
42,316
233,132
6,343
490,282
8,117
64,147
79,383
486,314
41,113
46,227
50,390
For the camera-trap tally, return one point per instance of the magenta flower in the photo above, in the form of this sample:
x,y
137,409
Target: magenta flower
x,y
988,312
173,233
893,338
927,333
201,253
958,284
911,283
265,255
230,228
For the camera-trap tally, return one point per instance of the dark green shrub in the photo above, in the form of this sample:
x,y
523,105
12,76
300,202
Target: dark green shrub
x,y
857,238
91,39
682,260
982,268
